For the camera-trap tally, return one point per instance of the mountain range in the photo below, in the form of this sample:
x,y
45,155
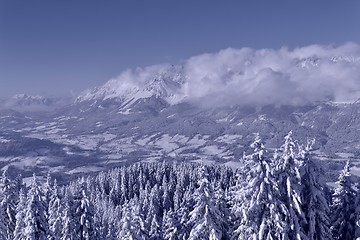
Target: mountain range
x,y
155,119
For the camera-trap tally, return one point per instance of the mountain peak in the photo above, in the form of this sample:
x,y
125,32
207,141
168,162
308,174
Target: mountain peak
x,y
26,102
163,82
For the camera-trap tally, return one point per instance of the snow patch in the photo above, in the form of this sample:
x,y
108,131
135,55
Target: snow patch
x,y
4,140
227,138
85,169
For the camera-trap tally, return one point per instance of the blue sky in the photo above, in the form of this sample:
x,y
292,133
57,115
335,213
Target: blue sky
x,y
53,47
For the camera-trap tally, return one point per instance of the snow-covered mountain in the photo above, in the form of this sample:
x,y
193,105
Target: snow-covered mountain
x,y
152,114
25,103
212,81
164,83
29,100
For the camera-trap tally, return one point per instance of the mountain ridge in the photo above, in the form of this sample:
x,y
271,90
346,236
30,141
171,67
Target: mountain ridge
x,y
150,115
181,83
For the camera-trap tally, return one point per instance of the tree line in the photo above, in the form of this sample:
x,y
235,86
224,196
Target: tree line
x,y
276,194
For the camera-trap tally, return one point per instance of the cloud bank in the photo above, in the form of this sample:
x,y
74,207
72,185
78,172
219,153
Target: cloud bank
x,y
259,77
268,76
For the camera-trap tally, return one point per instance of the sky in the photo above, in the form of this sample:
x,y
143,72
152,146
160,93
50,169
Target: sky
x,y
55,48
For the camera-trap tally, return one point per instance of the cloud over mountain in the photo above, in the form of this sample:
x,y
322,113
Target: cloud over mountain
x,y
283,76
249,76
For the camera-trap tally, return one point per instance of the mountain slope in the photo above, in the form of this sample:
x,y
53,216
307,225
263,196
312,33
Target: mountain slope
x,y
163,113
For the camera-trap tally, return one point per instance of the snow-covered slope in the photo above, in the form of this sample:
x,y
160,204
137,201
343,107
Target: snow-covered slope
x,y
101,138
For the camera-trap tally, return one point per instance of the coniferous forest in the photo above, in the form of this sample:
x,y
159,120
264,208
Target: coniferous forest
x,y
276,194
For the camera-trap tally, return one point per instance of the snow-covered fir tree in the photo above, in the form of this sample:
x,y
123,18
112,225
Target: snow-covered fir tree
x,y
357,212
131,226
253,199
314,203
3,228
55,211
170,226
182,213
8,200
19,232
288,183
154,212
68,221
35,217
206,220
85,228
343,208
155,228
166,194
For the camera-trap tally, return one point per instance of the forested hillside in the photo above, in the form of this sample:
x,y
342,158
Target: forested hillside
x,y
276,194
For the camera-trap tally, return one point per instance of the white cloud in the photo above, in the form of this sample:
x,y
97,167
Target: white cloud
x,y
266,76
269,76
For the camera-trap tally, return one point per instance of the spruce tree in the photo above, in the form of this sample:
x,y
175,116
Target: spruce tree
x,y
131,226
154,208
288,181
68,231
19,232
206,220
155,228
167,194
84,215
253,199
357,212
314,203
3,229
36,225
343,208
170,226
182,213
55,211
8,200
